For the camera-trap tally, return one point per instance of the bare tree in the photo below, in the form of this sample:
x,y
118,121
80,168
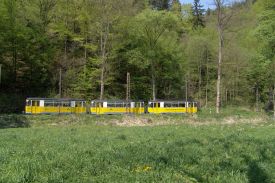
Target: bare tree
x,y
108,14
222,20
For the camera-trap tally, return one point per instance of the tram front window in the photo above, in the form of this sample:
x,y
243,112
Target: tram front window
x,y
36,103
28,103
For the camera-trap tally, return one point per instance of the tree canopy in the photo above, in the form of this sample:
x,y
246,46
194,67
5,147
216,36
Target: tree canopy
x,y
84,49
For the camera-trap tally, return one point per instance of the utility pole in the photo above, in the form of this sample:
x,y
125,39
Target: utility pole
x,y
186,93
128,88
60,82
128,92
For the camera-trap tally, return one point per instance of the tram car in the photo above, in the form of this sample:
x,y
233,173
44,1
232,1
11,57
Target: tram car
x,y
177,107
54,106
116,107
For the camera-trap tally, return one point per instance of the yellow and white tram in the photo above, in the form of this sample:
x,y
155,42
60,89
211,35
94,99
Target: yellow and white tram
x,y
54,106
78,106
177,107
116,107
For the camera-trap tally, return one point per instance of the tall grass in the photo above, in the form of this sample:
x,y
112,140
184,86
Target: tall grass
x,y
96,153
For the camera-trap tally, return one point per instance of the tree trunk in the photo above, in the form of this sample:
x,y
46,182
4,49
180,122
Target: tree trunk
x,y
220,34
218,99
85,48
226,96
14,59
153,80
186,88
103,40
60,82
102,67
200,80
273,97
104,35
102,83
186,92
60,69
207,79
154,86
257,99
237,81
0,75
128,87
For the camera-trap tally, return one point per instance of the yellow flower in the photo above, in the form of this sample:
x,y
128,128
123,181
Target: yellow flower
x,y
147,168
144,168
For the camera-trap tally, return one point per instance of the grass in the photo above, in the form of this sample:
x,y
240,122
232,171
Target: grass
x,y
95,149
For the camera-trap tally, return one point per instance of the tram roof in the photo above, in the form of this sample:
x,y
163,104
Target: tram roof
x,y
118,100
55,99
162,100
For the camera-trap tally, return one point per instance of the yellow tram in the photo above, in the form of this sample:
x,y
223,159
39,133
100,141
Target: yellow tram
x,y
116,107
54,106
161,107
78,106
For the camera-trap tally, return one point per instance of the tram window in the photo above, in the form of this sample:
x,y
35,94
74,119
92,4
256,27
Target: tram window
x,y
120,105
66,104
167,105
181,104
153,104
35,103
56,104
174,105
72,104
28,103
100,104
139,104
79,104
190,105
48,103
111,105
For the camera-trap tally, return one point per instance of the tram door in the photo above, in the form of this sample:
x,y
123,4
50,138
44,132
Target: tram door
x,y
73,107
98,107
34,106
190,107
156,106
140,107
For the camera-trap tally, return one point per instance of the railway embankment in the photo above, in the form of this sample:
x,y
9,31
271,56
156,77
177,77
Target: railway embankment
x,y
229,116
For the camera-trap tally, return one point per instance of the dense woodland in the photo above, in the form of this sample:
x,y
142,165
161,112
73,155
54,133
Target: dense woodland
x,y
84,49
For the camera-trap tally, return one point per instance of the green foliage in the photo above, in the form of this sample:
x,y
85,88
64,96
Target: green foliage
x,y
156,41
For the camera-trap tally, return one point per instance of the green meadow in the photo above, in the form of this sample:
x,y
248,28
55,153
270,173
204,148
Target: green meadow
x,y
107,149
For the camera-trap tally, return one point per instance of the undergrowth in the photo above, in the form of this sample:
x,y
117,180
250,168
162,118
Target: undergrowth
x,y
84,148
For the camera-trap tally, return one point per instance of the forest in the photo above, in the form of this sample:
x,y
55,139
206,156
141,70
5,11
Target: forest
x,y
220,56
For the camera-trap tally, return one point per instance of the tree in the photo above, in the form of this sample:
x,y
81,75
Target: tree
x,y
198,15
176,7
150,27
265,32
222,21
160,4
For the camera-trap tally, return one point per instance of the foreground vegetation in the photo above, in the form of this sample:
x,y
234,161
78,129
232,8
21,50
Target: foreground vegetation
x,y
102,149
